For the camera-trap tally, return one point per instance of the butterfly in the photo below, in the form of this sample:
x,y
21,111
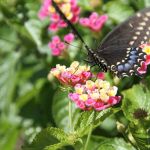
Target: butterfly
x,y
120,50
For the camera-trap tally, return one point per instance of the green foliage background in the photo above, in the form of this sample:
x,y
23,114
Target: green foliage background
x,y
30,103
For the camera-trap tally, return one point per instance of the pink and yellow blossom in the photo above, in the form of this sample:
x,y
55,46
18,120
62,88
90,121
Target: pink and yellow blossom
x,y
146,49
72,75
94,95
68,7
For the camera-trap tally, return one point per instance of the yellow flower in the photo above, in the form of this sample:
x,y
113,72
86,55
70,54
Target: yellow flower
x,y
83,97
66,8
95,95
61,68
103,95
74,64
147,50
105,85
66,1
51,9
98,83
79,90
89,84
57,1
54,72
102,84
69,16
112,91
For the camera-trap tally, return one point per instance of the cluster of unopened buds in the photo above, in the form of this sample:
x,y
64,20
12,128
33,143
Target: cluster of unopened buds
x,y
94,22
57,46
68,7
87,94
146,49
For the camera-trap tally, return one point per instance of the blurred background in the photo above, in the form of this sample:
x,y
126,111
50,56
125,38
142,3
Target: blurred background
x,y
26,96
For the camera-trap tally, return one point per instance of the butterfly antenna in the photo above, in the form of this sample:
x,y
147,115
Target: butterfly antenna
x,y
71,44
70,24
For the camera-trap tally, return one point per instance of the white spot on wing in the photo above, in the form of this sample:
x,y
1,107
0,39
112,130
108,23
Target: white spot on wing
x,y
137,33
146,19
131,42
139,14
142,24
135,37
140,28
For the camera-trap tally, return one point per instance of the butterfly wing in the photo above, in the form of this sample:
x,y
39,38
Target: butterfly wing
x,y
120,48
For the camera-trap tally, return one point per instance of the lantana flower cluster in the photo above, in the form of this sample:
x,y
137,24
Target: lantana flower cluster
x,y
95,22
68,7
96,95
72,75
57,46
87,94
146,49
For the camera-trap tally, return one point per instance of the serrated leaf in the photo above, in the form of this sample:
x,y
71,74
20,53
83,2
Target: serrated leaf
x,y
93,118
46,138
141,135
55,146
115,144
84,122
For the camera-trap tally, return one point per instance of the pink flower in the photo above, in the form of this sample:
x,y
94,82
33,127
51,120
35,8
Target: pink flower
x,y
143,68
44,12
69,37
73,96
53,27
85,22
94,22
56,46
56,52
147,59
101,75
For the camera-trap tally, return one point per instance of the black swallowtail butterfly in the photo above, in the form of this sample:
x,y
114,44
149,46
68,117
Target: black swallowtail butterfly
x,y
119,52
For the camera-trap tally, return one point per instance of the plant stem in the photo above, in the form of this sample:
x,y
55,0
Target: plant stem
x,y
88,138
70,117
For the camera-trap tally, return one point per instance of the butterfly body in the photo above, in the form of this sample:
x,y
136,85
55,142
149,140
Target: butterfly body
x,y
120,50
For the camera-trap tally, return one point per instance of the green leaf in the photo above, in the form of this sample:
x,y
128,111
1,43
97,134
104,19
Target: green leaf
x,y
55,146
60,109
141,135
84,122
34,29
8,78
134,98
118,11
93,118
104,143
140,4
85,5
47,138
115,144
